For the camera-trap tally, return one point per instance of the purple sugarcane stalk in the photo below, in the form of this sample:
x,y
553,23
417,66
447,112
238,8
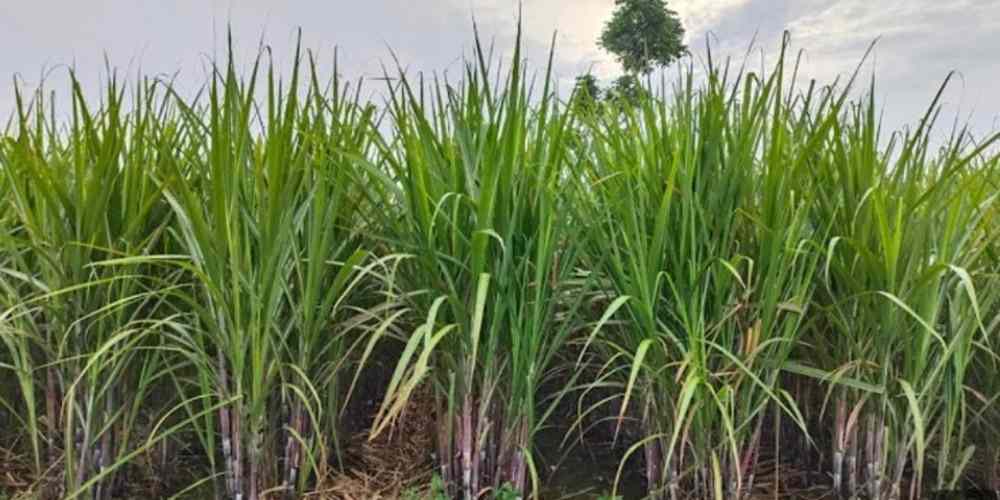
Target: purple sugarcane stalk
x,y
225,429
466,435
838,444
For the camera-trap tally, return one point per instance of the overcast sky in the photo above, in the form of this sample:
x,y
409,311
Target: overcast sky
x,y
920,40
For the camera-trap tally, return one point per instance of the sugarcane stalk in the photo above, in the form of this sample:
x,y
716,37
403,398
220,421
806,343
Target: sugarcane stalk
x,y
254,457
797,448
225,429
445,447
292,455
82,437
873,456
879,456
731,474
98,465
518,465
777,451
653,459
897,481
839,436
672,486
237,461
852,458
52,411
749,464
477,439
516,473
705,477
468,488
164,452
102,488
653,455
495,457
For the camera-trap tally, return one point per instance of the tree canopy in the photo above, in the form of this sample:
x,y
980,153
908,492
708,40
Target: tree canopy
x,y
643,34
586,93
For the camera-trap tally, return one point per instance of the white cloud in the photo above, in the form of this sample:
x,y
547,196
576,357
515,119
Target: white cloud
x,y
577,24
847,20
700,16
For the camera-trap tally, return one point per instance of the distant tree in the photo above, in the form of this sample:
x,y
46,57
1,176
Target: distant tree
x,y
624,90
587,85
586,93
643,34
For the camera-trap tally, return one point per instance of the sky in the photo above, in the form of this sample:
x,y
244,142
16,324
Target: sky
x,y
919,42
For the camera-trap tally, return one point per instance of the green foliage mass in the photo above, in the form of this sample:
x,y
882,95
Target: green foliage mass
x,y
731,262
643,34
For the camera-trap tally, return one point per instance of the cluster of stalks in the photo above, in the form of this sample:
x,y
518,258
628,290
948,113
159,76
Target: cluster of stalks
x,y
735,255
908,288
186,266
83,313
701,225
473,206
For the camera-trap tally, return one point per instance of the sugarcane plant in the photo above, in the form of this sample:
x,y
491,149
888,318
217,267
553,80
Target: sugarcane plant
x,y
700,224
265,197
471,175
82,315
904,293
